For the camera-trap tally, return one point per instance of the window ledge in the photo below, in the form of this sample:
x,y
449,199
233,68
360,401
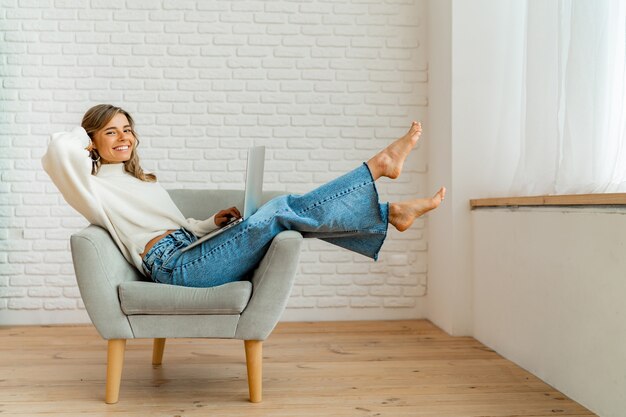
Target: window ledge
x,y
552,200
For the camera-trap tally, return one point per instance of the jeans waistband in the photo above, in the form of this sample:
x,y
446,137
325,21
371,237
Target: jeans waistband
x,y
163,250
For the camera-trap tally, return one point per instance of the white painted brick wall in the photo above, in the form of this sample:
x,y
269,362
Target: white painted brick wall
x,y
323,84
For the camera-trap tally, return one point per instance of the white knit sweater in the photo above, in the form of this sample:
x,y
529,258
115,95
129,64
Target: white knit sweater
x,y
133,211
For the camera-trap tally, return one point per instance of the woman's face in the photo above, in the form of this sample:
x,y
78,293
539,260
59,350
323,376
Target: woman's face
x,y
115,141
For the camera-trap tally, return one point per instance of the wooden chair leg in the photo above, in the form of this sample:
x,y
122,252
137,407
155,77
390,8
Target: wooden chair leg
x,y
254,363
157,351
115,363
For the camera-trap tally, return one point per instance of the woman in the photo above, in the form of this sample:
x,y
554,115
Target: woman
x,y
108,187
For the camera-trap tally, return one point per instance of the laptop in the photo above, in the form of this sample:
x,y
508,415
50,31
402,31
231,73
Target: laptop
x,y
252,195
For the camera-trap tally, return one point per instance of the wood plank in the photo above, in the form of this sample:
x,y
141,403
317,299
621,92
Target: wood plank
x,y
552,200
391,368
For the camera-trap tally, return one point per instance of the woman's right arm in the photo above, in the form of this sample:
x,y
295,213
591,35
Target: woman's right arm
x,y
68,164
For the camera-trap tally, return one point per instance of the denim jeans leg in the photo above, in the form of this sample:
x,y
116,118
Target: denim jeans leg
x,y
345,212
367,243
357,221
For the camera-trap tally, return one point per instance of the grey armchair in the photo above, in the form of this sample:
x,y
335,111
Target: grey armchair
x,y
123,305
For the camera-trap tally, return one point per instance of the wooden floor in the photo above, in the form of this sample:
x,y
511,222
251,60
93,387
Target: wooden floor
x,y
364,369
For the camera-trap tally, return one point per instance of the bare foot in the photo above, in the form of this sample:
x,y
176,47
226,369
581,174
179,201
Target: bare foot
x,y
403,214
389,161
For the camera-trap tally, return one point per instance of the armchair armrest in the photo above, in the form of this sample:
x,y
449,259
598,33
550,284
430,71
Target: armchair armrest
x,y
100,268
271,285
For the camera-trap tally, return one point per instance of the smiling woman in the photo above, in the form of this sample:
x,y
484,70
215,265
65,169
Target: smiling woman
x,y
113,139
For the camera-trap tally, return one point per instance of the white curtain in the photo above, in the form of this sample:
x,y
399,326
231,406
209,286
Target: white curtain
x,y
573,98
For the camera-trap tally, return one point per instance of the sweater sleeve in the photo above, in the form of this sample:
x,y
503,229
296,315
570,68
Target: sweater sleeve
x,y
202,227
68,164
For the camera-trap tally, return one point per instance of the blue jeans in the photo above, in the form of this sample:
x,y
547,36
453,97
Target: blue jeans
x,y
344,212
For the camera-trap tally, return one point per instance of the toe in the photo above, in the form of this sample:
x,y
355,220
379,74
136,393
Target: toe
x,y
439,196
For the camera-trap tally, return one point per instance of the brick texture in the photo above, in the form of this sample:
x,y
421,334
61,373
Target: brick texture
x,y
322,84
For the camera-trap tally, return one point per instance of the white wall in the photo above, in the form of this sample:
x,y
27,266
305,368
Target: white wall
x,y
543,288
323,85
441,297
469,44
549,288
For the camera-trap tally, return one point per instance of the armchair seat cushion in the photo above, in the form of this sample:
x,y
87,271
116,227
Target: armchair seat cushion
x,y
140,297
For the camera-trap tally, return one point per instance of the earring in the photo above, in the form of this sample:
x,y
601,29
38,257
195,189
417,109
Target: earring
x,y
94,160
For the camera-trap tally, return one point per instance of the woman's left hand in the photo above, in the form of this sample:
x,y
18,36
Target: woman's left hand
x,y
224,216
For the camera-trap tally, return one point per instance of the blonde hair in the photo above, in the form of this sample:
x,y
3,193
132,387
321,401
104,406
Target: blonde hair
x,y
95,119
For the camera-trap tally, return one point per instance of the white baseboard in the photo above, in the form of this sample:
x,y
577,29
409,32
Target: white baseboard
x,y
34,318
39,317
353,314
